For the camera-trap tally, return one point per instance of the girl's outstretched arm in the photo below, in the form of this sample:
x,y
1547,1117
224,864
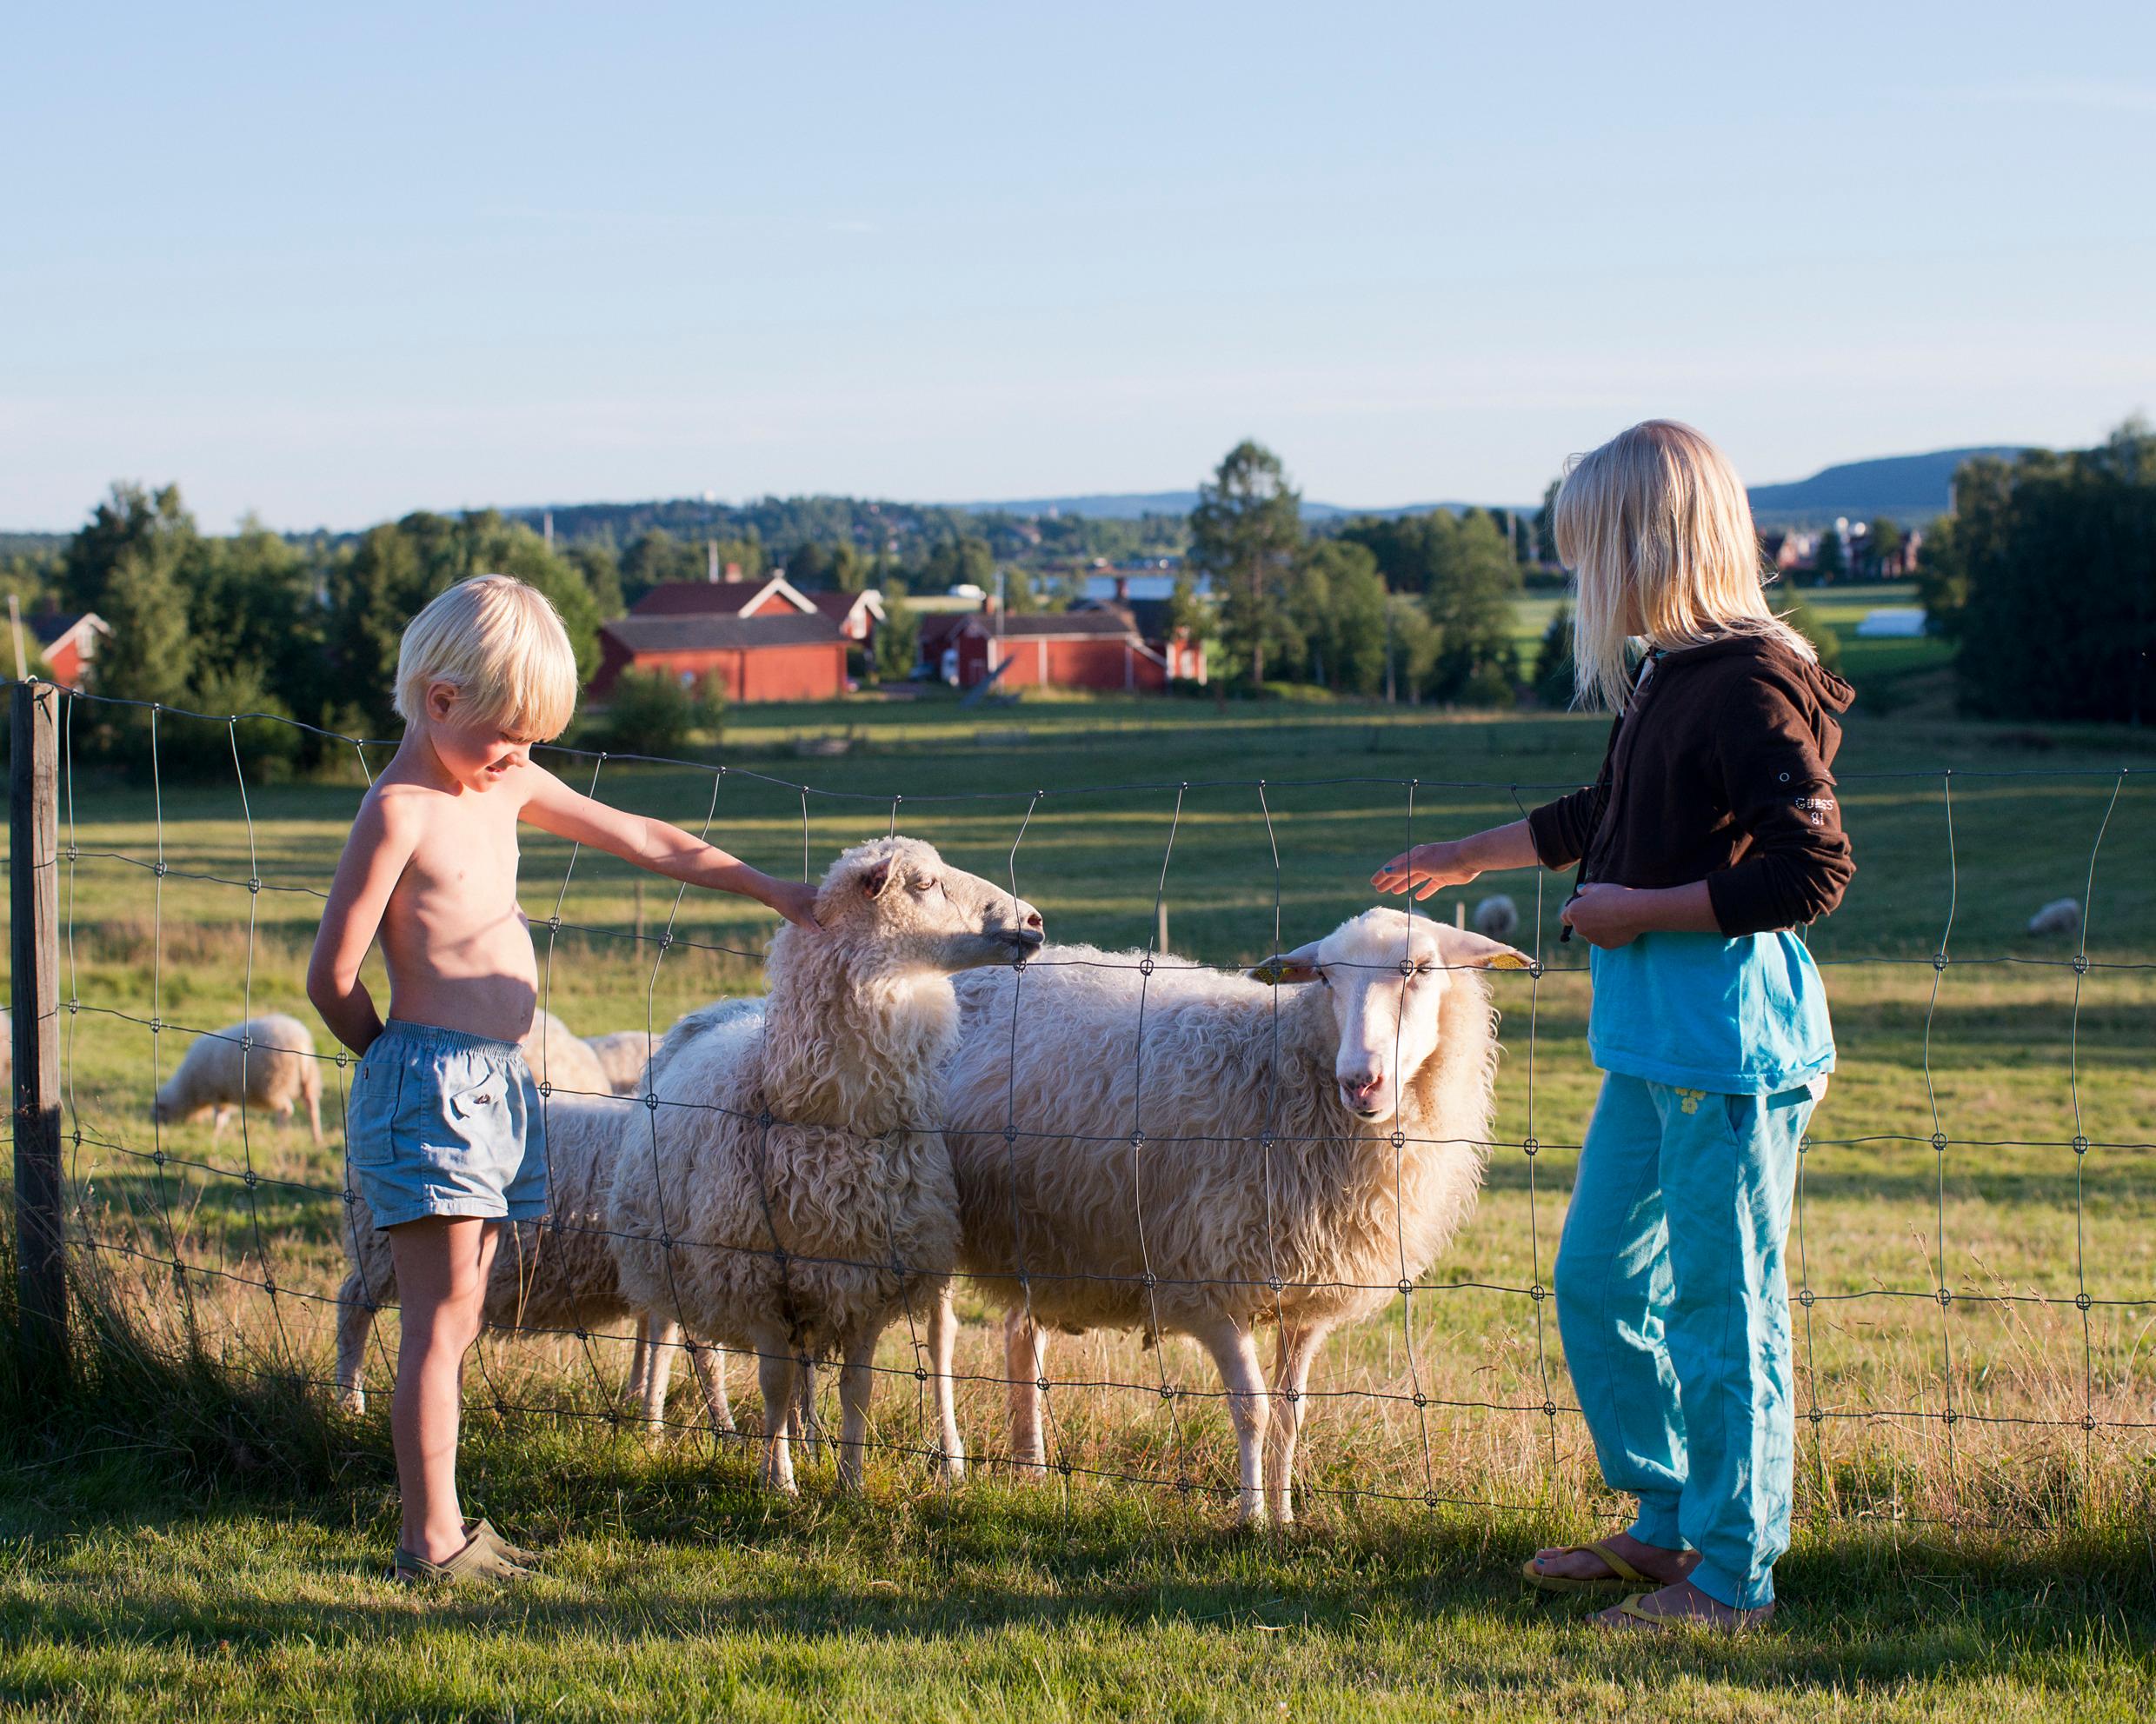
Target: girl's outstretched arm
x,y
1431,867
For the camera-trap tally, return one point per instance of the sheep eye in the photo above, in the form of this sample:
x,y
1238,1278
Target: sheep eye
x,y
924,885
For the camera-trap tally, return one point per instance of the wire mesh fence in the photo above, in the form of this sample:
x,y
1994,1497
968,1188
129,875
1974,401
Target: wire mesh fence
x,y
1970,1266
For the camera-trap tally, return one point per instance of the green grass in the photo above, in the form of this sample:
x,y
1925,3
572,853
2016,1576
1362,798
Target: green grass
x,y
172,1556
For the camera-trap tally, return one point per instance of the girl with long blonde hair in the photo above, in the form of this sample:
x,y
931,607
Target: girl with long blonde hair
x,y
1711,834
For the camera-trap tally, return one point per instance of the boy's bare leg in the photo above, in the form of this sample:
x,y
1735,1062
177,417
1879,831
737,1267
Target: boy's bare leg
x,y
441,1267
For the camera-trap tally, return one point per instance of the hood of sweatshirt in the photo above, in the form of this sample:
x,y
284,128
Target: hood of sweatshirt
x,y
1823,685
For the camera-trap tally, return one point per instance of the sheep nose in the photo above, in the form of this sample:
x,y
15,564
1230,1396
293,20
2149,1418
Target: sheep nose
x,y
1033,921
1362,1085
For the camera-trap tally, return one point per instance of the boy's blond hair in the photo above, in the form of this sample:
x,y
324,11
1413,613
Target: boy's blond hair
x,y
501,644
1657,515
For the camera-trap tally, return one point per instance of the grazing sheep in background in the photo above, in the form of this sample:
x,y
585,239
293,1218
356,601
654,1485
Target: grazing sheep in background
x,y
2061,915
267,1061
556,1274
1243,1171
623,1057
797,1197
1497,917
558,1060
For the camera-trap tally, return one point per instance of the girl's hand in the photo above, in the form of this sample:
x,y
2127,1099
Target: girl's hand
x,y
1425,869
1607,916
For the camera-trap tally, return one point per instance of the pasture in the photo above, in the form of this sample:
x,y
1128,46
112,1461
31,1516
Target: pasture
x,y
1975,1262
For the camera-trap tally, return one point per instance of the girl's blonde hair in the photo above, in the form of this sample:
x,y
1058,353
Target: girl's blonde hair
x,y
1657,519
501,644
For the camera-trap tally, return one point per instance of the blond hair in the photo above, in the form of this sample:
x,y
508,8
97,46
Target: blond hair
x,y
500,645
1657,530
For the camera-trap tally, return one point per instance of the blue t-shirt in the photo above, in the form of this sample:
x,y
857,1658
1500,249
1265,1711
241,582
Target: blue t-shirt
x,y
1697,1011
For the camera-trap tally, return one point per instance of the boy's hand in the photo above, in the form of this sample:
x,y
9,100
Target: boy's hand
x,y
1425,869
1607,916
795,900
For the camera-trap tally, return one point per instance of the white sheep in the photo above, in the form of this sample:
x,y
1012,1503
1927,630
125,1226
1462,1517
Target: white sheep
x,y
623,1057
1254,1154
790,1194
2061,915
1497,917
265,1062
566,1065
555,1276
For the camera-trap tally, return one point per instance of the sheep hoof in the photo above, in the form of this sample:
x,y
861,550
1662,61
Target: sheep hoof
x,y
352,1401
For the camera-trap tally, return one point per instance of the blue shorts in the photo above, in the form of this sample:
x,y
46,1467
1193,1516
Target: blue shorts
x,y
443,1123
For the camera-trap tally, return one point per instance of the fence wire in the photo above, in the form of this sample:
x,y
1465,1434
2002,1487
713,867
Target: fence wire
x,y
1422,1404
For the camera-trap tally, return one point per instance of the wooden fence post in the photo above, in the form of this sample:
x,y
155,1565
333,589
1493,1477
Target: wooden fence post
x,y
34,927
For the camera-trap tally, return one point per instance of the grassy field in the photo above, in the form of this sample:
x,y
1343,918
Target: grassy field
x,y
210,1561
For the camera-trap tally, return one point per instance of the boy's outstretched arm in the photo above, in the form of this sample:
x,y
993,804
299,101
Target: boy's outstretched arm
x,y
373,862
553,807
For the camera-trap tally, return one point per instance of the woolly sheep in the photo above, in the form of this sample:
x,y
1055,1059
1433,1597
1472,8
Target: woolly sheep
x,y
557,1276
1243,1172
797,1197
623,1056
1497,917
558,1060
267,1061
2061,915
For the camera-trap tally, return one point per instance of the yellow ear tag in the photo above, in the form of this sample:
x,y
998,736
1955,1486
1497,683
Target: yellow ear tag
x,y
1271,972
1510,961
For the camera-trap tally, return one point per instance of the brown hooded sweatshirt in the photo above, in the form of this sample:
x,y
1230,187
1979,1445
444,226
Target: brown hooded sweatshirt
x,y
1718,770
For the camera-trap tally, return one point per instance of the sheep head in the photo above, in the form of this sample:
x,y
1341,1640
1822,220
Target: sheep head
x,y
1385,973
905,908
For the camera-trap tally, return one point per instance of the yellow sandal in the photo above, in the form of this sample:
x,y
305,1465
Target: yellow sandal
x,y
1621,1574
1744,1621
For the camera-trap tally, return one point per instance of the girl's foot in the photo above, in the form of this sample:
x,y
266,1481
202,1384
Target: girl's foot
x,y
1580,1562
1681,1605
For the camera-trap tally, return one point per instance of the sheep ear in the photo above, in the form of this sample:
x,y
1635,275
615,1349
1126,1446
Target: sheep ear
x,y
1299,965
1462,948
873,881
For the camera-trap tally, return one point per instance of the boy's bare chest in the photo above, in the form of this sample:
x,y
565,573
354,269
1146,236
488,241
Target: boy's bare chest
x,y
465,864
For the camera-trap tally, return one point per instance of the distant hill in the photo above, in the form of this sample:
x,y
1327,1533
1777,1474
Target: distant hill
x,y
1135,505
1910,488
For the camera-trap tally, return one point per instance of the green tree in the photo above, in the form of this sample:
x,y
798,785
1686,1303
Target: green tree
x,y
151,653
964,561
129,519
1546,526
1245,534
1337,610
655,712
1882,544
810,567
1555,685
1830,562
2057,554
657,557
602,571
898,639
1474,582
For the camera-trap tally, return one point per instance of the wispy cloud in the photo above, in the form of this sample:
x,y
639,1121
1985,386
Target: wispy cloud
x,y
2117,95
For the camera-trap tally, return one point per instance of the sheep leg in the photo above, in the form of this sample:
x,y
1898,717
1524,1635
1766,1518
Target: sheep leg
x,y
709,1363
639,1361
942,1350
216,1121
1025,1368
856,1382
1291,1386
666,1336
1234,1349
807,1430
314,1113
775,1373
355,1321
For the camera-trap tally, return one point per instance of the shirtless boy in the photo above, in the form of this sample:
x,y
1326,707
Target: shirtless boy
x,y
443,1132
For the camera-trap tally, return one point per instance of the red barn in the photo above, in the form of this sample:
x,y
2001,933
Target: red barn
x,y
858,615
788,656
69,642
1070,649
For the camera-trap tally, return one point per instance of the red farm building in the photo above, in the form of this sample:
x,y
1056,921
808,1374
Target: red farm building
x,y
69,642
788,656
1099,646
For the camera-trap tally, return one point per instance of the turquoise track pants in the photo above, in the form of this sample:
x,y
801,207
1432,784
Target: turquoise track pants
x,y
1674,1309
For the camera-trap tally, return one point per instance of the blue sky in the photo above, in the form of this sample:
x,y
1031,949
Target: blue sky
x,y
334,263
